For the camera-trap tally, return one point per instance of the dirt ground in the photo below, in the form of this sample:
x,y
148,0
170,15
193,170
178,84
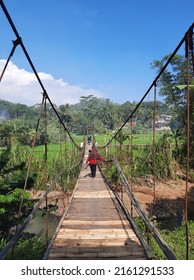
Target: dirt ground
x,y
164,199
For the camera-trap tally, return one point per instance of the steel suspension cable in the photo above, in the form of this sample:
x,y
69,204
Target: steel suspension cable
x,y
15,44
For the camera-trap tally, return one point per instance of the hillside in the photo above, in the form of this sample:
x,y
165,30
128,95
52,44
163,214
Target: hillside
x,y
90,113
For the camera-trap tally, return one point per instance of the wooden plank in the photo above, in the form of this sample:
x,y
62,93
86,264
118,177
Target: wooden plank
x,y
91,242
96,231
95,255
112,222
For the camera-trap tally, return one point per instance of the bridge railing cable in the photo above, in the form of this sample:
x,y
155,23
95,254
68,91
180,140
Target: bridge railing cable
x,y
166,250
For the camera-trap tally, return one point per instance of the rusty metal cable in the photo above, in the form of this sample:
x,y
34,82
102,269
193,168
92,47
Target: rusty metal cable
x,y
45,132
188,145
31,155
60,153
131,161
189,45
61,170
46,166
153,157
46,226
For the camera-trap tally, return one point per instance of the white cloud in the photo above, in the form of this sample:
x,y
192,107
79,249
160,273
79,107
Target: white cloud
x,y
21,86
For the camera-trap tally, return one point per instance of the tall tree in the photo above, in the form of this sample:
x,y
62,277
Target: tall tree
x,y
173,87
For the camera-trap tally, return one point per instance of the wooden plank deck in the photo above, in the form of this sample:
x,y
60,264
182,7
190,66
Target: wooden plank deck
x,y
94,228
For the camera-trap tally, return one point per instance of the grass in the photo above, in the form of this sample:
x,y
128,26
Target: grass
x,y
175,240
53,150
138,139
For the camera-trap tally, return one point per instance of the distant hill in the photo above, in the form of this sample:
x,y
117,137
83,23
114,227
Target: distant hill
x,y
92,112
9,110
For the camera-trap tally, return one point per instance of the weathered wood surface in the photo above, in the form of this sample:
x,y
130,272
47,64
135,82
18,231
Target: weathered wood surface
x,y
94,228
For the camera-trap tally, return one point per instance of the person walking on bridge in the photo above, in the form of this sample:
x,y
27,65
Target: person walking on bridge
x,y
92,160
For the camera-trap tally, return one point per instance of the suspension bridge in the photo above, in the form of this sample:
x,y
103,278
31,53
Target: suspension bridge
x,y
95,227
96,223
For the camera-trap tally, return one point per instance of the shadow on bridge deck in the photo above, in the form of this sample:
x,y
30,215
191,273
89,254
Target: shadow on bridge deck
x,y
93,227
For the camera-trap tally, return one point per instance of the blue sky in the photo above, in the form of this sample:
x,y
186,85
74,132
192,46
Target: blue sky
x,y
82,47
